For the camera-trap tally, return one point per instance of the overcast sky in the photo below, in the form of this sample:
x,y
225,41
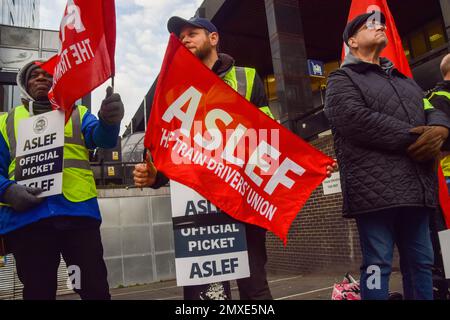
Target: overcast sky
x,y
142,38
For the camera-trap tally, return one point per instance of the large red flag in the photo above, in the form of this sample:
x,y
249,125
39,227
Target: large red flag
x,y
394,50
86,55
205,135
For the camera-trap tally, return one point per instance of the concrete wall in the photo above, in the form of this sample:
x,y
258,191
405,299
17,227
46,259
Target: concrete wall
x,y
137,236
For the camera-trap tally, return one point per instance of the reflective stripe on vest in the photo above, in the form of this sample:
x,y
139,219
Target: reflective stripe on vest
x,y
78,179
445,162
76,129
11,134
440,93
242,80
427,105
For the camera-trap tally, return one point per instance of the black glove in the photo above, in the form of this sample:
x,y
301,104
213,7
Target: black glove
x,y
22,198
111,110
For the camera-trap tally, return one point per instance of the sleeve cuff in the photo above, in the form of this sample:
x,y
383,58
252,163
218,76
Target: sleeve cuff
x,y
3,187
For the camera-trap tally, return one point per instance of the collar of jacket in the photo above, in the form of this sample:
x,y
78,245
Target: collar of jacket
x,y
443,86
359,66
39,107
223,64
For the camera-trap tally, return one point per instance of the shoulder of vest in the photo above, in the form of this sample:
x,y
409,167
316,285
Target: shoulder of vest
x,y
442,92
245,68
3,117
19,107
81,107
83,110
439,95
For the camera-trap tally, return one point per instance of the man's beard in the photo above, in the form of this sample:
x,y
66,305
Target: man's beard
x,y
204,51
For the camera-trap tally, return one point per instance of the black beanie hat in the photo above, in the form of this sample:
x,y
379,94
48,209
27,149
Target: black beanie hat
x,y
354,25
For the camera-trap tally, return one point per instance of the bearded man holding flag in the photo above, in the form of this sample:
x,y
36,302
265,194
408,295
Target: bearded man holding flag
x,y
386,139
201,38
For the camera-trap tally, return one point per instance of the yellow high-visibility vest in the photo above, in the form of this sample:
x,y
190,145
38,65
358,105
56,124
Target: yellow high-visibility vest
x,y
242,79
78,178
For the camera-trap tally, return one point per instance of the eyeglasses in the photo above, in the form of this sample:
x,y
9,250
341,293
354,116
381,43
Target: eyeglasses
x,y
375,25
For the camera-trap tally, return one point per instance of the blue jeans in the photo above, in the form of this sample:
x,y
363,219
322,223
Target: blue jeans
x,y
408,228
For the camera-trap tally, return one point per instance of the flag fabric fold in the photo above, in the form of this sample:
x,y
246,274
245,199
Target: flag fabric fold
x,y
86,54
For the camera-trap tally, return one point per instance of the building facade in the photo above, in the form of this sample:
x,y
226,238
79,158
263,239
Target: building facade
x,y
20,13
18,46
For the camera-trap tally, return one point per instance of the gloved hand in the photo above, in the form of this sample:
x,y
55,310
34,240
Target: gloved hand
x,y
22,198
111,110
428,145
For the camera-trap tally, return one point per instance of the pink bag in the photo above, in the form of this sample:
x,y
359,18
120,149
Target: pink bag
x,y
348,289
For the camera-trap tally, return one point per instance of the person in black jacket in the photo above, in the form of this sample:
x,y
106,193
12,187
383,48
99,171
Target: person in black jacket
x,y
385,145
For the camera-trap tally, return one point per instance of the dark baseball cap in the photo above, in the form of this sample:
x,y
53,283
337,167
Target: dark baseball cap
x,y
175,24
354,25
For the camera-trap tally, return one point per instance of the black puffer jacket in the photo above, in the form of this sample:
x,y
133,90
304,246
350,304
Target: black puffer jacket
x,y
371,109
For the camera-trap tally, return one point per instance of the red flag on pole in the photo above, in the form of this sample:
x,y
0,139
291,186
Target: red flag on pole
x,y
86,55
394,50
205,135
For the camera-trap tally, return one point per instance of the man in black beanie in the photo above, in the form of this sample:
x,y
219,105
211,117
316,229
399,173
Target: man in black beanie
x,y
386,144
38,230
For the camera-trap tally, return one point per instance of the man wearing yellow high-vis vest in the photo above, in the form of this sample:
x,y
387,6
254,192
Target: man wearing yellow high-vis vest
x,y
201,37
440,99
38,230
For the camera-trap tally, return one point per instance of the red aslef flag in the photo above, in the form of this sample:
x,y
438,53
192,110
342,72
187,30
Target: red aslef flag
x,y
205,135
86,55
394,50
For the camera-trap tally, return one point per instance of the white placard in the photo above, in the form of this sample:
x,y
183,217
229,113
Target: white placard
x,y
206,250
332,185
183,197
213,268
40,152
444,239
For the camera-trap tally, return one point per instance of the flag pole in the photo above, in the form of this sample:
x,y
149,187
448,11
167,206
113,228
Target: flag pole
x,y
112,82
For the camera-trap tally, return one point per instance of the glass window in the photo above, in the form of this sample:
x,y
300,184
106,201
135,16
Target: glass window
x,y
418,44
436,34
